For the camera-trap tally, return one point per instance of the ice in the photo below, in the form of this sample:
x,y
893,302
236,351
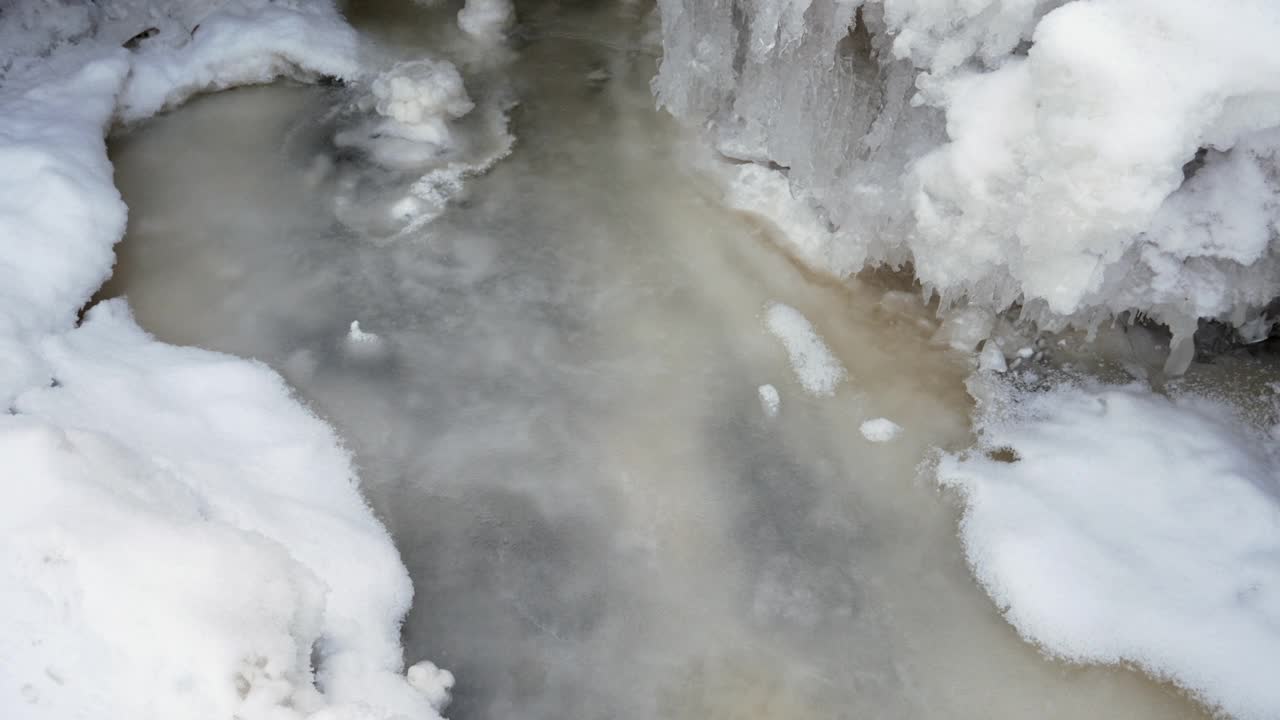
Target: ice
x,y
1115,525
1077,159
486,19
770,401
816,368
425,135
181,538
880,430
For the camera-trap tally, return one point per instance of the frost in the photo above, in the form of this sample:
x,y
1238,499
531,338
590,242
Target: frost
x,y
486,19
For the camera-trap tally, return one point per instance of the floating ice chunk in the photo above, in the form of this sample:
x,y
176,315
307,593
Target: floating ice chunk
x,y
364,345
817,369
359,337
770,401
486,19
880,430
1119,526
433,682
419,91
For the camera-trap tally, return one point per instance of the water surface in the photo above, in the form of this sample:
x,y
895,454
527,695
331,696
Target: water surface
x,y
560,423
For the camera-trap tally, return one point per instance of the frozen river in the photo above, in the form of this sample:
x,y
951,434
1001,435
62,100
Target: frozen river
x,y
559,419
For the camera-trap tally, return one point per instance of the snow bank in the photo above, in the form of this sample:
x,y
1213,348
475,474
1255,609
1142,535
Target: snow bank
x,y
179,538
1080,158
1114,525
816,367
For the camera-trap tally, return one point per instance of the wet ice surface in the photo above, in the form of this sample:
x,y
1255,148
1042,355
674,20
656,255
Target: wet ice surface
x,y
559,416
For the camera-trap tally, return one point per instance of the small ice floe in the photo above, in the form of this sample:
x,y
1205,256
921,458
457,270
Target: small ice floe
x,y
363,344
880,430
433,682
486,20
815,366
770,401
599,76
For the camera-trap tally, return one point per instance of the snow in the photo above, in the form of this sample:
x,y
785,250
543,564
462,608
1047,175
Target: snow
x,y
880,430
411,123
770,401
818,371
1127,166
415,101
181,538
486,19
1115,525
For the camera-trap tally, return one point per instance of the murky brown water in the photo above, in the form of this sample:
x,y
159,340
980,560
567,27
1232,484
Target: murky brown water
x,y
561,425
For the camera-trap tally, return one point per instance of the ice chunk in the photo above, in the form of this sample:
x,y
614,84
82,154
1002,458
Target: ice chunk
x,y
817,369
770,401
486,19
1117,526
880,430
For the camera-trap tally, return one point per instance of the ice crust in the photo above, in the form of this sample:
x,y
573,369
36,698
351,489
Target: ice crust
x,y
180,537
1078,159
1115,525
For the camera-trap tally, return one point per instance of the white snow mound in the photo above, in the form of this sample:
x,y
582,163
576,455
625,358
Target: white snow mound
x,y
1129,527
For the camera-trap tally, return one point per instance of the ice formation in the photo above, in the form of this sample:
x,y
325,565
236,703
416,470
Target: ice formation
x,y
880,430
181,539
486,19
770,401
1114,525
416,148
817,369
1078,159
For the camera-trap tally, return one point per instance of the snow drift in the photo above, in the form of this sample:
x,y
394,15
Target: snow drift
x,y
1114,525
179,538
1079,159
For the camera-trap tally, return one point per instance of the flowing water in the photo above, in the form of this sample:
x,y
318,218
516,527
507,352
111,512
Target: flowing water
x,y
560,422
